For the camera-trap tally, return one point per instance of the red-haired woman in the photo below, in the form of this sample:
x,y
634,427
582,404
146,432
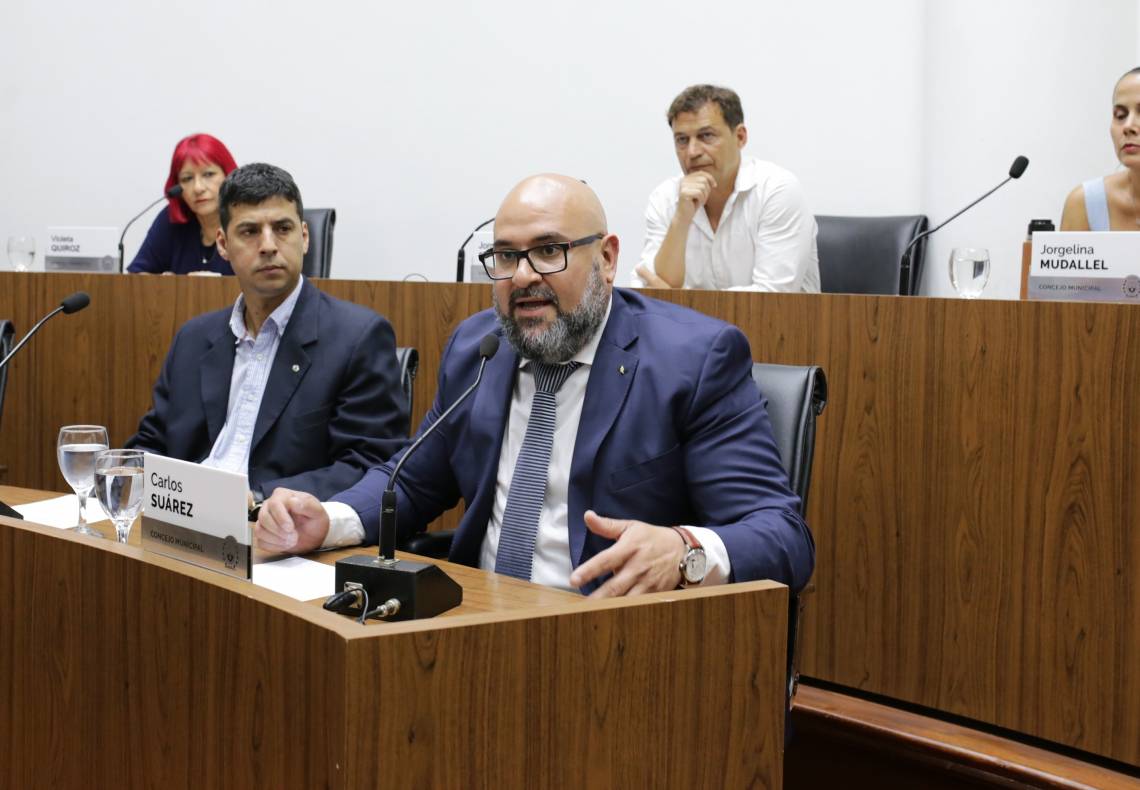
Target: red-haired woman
x,y
181,239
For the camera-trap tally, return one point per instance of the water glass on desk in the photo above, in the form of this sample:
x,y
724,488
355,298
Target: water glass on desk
x,y
76,449
119,484
21,252
969,271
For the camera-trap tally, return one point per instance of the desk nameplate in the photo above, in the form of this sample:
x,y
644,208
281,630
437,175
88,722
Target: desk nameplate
x,y
1087,267
198,515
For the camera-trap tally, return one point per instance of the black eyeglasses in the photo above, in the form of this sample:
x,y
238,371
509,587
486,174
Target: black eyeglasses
x,y
547,258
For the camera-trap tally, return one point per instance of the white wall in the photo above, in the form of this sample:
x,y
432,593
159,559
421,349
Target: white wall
x,y
414,119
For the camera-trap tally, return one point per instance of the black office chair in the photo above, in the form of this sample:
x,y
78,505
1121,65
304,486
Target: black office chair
x,y
409,361
796,396
318,260
863,255
7,335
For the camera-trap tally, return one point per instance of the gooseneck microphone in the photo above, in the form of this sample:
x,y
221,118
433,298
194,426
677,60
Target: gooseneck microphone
x,y
462,257
173,192
410,590
72,304
487,348
1015,171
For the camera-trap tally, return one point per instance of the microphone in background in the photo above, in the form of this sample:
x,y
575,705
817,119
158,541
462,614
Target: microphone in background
x,y
410,590
173,192
1015,171
72,304
462,257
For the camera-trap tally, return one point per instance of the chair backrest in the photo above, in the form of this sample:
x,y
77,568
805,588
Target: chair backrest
x,y
409,360
863,255
7,335
796,396
318,260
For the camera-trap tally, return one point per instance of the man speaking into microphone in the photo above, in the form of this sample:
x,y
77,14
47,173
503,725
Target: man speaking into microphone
x,y
616,444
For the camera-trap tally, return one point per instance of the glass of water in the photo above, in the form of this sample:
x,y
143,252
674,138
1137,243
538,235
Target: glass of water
x,y
21,252
119,487
76,448
969,271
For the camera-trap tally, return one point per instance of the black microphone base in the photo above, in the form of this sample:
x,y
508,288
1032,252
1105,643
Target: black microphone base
x,y
422,589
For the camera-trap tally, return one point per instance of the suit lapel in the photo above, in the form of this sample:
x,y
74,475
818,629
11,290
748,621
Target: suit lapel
x,y
611,376
217,367
290,363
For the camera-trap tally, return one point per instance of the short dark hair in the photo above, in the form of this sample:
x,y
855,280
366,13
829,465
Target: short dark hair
x,y
695,97
256,183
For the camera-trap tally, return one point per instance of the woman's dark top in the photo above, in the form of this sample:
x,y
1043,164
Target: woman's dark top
x,y
170,247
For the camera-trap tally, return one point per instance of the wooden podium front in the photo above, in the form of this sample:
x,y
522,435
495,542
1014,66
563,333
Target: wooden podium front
x,y
120,668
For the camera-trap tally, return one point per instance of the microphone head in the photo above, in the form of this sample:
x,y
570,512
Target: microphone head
x,y
1018,167
487,346
174,191
74,303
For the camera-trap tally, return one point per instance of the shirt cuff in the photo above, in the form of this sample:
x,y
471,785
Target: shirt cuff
x,y
345,528
719,568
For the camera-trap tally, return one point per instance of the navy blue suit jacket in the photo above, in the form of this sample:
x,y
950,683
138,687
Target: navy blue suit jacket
x,y
319,428
673,431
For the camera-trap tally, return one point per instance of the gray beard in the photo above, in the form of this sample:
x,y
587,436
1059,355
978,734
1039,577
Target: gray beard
x,y
568,333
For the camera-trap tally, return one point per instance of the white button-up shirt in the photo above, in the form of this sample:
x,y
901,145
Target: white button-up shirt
x,y
253,359
765,240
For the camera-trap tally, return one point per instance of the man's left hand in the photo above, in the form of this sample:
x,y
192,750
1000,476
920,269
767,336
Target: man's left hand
x,y
644,558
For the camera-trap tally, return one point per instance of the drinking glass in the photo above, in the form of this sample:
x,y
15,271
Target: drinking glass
x,y
21,252
119,486
969,271
77,447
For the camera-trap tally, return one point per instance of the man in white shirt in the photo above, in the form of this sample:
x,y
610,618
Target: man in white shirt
x,y
729,222
617,445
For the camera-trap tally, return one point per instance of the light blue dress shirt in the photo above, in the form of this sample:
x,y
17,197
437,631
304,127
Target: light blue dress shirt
x,y
253,359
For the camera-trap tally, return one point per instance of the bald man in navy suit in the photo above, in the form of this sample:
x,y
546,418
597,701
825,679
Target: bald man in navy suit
x,y
662,468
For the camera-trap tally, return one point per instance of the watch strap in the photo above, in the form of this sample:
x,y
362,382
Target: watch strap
x,y
689,538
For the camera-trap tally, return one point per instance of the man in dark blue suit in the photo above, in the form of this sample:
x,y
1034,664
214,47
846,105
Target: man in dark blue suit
x,y
291,386
617,445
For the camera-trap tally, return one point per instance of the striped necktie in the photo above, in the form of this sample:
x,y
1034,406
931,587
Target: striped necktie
x,y
528,484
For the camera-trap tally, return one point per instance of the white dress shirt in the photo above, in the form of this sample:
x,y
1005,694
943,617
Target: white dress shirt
x,y
765,240
253,360
552,565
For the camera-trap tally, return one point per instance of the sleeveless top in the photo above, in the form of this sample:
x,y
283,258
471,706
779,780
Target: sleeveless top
x,y
1096,204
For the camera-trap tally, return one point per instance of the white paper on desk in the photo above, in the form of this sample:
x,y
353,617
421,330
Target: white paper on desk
x,y
296,577
62,512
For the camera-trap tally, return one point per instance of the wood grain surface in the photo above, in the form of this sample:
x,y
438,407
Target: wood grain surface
x,y
869,744
120,668
973,501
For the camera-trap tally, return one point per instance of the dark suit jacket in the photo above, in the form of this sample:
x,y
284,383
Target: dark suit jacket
x,y
673,431
319,428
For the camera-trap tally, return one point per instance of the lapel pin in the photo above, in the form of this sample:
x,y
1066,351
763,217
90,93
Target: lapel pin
x,y
621,369
296,368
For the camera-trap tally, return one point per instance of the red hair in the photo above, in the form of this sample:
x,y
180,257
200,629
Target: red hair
x,y
198,149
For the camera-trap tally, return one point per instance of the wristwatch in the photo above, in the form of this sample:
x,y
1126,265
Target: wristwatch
x,y
694,564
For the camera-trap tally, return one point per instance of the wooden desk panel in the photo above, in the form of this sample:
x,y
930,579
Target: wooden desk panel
x,y
121,668
973,497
